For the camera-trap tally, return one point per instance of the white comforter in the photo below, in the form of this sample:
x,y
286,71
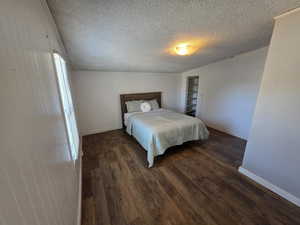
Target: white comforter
x,y
160,129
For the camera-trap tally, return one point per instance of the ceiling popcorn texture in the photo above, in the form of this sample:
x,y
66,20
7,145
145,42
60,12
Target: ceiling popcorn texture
x,y
139,35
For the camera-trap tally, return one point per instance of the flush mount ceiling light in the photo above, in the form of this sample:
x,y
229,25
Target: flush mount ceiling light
x,y
183,49
187,47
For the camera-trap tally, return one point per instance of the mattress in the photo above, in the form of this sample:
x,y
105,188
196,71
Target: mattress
x,y
160,129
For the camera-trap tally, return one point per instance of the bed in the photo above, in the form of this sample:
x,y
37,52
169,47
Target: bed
x,y
159,129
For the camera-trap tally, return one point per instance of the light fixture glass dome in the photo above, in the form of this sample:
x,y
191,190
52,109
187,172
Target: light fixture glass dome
x,y
182,49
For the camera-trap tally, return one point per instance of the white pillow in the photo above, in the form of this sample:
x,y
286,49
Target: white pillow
x,y
134,106
154,104
145,107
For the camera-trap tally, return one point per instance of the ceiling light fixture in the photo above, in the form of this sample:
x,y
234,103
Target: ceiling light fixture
x,y
187,47
182,49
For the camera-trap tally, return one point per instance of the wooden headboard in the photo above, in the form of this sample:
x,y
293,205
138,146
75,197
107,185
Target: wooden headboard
x,y
137,96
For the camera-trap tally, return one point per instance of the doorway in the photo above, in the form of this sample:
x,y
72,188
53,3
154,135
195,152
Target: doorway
x,y
192,95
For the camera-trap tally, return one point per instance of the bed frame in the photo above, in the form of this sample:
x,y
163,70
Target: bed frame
x,y
137,96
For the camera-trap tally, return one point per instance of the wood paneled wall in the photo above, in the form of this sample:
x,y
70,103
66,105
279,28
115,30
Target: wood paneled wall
x,y
38,179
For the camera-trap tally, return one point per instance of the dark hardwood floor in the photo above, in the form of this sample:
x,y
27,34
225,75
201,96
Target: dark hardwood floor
x,y
196,183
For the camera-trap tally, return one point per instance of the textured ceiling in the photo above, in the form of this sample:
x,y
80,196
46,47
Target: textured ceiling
x,y
135,35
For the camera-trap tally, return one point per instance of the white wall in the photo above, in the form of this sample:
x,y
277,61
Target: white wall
x,y
38,180
273,150
228,90
97,95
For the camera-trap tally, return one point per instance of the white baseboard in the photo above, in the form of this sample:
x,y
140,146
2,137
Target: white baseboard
x,y
227,131
88,132
270,186
96,131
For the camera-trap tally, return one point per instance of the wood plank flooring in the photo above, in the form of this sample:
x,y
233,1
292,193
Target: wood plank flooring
x,y
196,183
